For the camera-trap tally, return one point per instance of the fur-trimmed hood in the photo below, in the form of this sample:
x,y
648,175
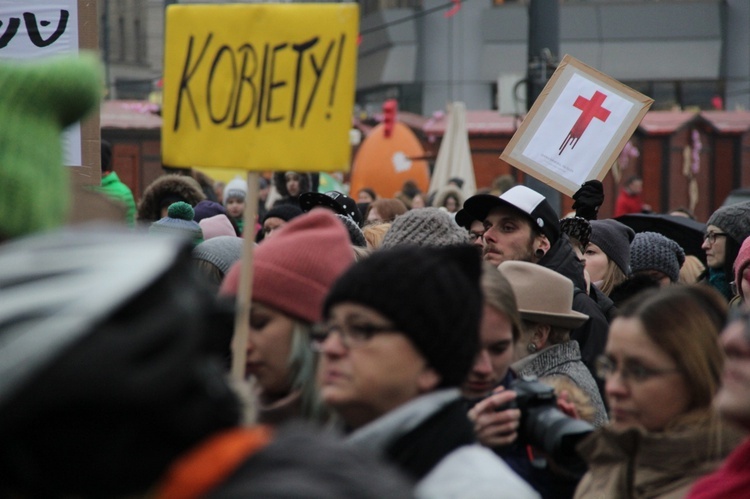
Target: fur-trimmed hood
x,y
444,192
279,181
181,186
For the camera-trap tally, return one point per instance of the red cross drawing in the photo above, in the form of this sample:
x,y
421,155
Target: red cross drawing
x,y
590,109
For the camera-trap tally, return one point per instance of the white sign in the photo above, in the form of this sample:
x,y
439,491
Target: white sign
x,y
31,30
576,128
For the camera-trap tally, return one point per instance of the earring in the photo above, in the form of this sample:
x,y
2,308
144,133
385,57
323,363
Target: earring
x,y
539,253
531,347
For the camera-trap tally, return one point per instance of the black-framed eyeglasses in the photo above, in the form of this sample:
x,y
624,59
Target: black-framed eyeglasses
x,y
476,234
637,373
711,236
352,335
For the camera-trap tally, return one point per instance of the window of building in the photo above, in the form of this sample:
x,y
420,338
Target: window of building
x,y
121,38
140,45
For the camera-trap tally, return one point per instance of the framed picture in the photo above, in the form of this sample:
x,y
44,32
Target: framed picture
x,y
576,128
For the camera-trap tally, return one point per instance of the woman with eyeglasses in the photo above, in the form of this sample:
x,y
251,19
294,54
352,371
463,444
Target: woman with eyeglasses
x,y
662,368
292,272
400,333
725,230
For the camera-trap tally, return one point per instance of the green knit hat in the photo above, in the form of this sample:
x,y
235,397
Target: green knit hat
x,y
38,100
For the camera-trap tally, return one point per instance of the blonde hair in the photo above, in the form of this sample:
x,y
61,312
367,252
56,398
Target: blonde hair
x,y
613,276
691,270
576,395
360,253
303,363
374,234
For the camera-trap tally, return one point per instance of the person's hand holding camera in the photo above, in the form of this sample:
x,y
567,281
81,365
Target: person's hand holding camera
x,y
493,426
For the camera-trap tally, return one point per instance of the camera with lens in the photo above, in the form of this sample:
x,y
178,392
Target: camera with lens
x,y
546,427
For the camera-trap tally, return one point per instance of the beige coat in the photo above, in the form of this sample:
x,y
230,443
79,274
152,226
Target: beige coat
x,y
636,464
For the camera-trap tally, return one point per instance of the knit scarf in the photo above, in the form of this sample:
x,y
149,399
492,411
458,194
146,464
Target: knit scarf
x,y
718,279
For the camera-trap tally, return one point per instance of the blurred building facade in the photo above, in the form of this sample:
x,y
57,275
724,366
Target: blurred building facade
x,y
685,54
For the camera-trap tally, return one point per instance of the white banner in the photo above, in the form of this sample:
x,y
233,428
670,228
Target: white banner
x,y
30,30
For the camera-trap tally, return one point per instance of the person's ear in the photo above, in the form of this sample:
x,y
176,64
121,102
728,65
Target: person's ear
x,y
541,335
428,380
540,246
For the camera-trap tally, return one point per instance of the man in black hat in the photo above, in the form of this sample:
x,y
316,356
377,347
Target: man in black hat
x,y
521,225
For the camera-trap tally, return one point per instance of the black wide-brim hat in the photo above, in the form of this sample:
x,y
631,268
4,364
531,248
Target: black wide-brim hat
x,y
334,200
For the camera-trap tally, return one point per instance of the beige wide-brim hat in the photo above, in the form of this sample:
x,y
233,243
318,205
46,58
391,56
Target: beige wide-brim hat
x,y
543,295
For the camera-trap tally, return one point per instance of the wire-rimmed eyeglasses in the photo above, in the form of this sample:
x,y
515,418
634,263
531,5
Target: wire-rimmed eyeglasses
x,y
638,373
352,335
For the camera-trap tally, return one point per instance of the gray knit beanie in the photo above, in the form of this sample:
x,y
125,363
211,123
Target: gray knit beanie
x,y
221,251
356,236
653,251
614,239
425,227
734,220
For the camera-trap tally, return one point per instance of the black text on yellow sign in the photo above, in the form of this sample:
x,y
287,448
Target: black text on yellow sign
x,y
259,87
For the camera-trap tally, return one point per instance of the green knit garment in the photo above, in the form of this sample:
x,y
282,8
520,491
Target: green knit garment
x,y
38,100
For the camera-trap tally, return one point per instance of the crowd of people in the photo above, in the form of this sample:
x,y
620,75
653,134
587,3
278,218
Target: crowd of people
x,y
430,345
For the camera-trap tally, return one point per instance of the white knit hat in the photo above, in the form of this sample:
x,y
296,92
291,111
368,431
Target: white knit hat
x,y
236,188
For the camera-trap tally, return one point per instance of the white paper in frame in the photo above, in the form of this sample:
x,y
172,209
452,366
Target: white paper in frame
x,y
576,128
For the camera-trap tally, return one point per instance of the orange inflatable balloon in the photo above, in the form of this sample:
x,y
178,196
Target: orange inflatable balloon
x,y
385,163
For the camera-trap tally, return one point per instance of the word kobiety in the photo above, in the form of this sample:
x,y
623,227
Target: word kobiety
x,y
249,85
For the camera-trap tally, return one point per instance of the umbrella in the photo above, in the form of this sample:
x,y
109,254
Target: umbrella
x,y
684,231
454,156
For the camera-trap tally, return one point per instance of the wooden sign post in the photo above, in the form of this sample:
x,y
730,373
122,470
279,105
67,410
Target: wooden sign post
x,y
258,87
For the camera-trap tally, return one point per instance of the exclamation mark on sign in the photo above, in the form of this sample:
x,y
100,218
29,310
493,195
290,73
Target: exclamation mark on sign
x,y
336,74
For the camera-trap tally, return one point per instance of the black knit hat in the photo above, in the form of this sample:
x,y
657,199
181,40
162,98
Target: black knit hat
x,y
653,251
614,239
431,294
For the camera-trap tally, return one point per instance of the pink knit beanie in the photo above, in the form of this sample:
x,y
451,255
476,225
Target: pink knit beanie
x,y
741,263
293,270
217,225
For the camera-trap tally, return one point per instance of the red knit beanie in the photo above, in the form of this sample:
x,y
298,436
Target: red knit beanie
x,y
293,270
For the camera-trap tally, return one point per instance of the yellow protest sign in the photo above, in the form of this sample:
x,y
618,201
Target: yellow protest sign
x,y
263,87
